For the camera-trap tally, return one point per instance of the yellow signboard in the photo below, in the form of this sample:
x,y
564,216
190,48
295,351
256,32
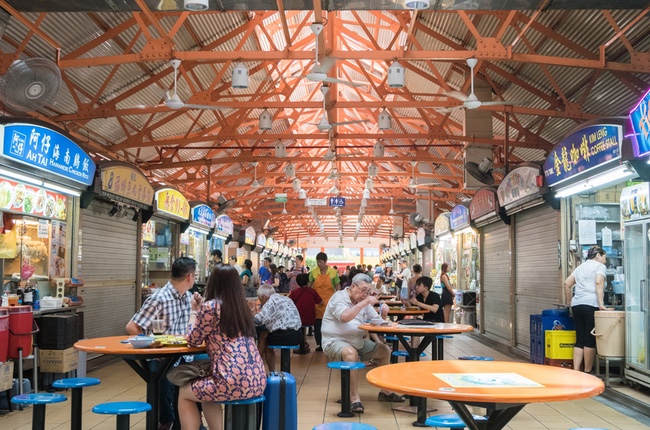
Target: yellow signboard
x,y
127,182
172,202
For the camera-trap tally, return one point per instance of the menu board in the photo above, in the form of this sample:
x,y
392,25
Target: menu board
x,y
57,250
28,199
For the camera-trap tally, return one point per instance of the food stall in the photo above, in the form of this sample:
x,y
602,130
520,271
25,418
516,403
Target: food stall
x,y
170,219
223,235
446,248
423,241
467,240
202,228
42,174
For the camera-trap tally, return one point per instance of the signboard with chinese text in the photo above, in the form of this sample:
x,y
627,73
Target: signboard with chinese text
x,y
276,247
249,236
261,240
172,202
126,184
484,202
441,225
518,185
28,199
269,245
48,150
337,202
640,119
224,225
583,150
421,235
149,231
459,217
406,244
203,215
413,239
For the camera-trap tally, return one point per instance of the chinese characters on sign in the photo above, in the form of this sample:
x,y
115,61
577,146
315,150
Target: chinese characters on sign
x,y
48,150
583,150
173,202
128,185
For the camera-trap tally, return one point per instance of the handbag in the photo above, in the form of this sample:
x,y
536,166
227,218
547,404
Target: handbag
x,y
185,373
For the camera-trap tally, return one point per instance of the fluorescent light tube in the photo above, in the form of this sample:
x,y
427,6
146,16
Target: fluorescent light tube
x,y
62,189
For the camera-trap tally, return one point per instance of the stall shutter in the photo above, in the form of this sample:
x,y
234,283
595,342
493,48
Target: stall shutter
x,y
496,281
538,284
108,268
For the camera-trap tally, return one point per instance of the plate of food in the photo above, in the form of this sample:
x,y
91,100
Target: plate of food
x,y
6,195
40,199
19,196
50,204
174,341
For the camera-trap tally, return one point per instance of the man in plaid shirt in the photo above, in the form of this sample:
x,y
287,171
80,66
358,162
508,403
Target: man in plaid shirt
x,y
170,303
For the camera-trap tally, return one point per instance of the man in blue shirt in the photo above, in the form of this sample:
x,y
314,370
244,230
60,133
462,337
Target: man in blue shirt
x,y
265,272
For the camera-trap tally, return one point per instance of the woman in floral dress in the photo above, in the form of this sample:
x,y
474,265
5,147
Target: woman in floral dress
x,y
224,322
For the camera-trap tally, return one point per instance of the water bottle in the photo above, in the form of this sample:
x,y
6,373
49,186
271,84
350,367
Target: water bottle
x,y
404,292
5,300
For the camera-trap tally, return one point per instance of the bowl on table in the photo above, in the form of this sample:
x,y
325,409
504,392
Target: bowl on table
x,y
377,321
141,341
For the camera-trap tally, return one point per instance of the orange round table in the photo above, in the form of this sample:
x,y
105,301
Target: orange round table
x,y
503,388
137,359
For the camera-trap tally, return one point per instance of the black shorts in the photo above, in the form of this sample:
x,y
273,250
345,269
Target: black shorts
x,y
281,337
584,321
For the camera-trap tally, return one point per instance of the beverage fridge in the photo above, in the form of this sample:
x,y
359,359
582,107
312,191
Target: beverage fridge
x,y
636,217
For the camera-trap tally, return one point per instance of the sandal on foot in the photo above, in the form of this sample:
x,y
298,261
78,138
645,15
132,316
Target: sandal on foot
x,y
392,397
372,362
356,408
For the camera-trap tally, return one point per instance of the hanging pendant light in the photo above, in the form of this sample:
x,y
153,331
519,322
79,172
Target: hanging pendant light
x,y
417,4
290,171
196,5
396,75
240,76
384,120
266,119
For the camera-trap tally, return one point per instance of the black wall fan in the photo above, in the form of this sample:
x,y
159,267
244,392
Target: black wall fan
x,y
223,205
481,172
30,84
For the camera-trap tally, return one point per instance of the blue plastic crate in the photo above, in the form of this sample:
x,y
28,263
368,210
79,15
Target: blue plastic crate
x,y
536,325
536,351
556,319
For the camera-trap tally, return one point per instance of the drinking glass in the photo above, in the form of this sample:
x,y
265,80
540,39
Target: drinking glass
x,y
158,327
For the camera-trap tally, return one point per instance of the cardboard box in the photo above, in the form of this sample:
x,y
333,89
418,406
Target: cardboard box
x,y
606,196
58,361
6,375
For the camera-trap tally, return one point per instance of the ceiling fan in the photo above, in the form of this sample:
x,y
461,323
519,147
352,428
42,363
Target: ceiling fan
x,y
173,101
471,101
256,183
319,72
324,124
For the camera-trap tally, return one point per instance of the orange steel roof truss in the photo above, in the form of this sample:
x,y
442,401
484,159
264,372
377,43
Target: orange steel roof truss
x,y
114,84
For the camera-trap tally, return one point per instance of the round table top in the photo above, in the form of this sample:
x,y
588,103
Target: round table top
x,y
112,346
486,381
396,327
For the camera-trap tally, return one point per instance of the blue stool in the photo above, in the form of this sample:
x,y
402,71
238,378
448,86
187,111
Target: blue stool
x,y
285,356
39,400
123,410
398,354
345,367
451,421
344,426
475,358
242,414
77,385
438,347
395,341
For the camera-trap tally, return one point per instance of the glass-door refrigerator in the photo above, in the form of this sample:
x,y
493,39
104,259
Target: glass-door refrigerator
x,y
636,217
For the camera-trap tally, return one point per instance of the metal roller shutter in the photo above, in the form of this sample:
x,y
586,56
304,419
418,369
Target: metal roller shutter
x,y
108,268
496,281
538,284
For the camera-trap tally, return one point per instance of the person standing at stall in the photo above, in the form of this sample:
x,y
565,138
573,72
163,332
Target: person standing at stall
x,y
296,270
588,297
447,291
233,263
172,304
325,280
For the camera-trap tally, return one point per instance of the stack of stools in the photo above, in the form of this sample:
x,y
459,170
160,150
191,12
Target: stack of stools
x,y
285,356
241,414
345,367
123,411
39,401
76,385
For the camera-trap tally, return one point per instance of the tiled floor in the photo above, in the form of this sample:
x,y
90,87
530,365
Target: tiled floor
x,y
318,390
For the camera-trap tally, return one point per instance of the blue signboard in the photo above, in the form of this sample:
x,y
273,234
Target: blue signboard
x,y
459,217
583,150
48,150
640,119
203,215
337,202
224,225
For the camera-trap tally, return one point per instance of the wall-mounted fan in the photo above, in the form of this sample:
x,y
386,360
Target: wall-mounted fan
x,y
173,101
481,172
223,205
324,124
30,84
418,220
471,101
319,72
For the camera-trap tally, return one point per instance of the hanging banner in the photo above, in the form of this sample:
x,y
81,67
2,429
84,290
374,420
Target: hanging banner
x,y
583,150
225,226
46,149
126,184
640,119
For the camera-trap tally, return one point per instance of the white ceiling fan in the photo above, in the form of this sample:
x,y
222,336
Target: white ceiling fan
x,y
319,72
471,101
173,101
256,183
324,124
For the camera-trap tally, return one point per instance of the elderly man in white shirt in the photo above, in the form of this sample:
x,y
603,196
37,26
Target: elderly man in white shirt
x,y
278,323
342,339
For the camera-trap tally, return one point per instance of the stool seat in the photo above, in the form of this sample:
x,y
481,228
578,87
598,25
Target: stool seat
x,y
285,356
250,401
405,354
284,346
344,426
346,365
76,385
451,421
444,336
38,399
75,382
476,358
121,408
394,338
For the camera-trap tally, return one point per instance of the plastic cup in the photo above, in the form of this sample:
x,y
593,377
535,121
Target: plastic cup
x,y
158,327
13,299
